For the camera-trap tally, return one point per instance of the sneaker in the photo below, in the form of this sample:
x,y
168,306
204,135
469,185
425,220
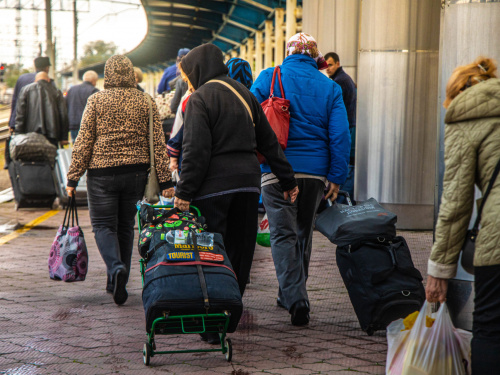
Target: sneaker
x,y
300,313
120,294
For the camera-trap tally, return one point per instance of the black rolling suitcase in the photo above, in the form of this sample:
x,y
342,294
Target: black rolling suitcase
x,y
381,280
374,263
190,277
33,183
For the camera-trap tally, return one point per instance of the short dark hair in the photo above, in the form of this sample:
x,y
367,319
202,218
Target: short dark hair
x,y
333,55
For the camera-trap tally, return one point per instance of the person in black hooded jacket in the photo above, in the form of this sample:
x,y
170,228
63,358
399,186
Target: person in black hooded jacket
x,y
220,170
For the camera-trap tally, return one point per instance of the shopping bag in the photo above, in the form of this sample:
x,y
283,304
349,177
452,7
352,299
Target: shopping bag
x,y
263,234
277,111
163,104
433,346
344,224
68,258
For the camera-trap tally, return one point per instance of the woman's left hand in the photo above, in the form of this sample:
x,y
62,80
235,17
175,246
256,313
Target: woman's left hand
x,y
168,193
181,204
70,191
435,290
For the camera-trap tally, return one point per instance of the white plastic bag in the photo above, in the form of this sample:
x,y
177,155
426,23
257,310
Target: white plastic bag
x,y
263,234
440,349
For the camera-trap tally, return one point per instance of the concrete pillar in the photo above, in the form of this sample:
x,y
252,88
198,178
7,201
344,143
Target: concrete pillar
x,y
268,44
279,37
250,53
291,20
335,26
396,111
258,53
243,51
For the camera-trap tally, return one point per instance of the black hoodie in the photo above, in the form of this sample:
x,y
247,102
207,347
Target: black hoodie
x,y
220,140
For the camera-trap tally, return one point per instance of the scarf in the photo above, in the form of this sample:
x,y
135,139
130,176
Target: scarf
x,y
304,43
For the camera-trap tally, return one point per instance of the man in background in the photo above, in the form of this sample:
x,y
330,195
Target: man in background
x,y
41,108
349,94
77,100
171,72
42,64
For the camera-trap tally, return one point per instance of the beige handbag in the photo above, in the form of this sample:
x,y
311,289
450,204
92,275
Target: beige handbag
x,y
152,191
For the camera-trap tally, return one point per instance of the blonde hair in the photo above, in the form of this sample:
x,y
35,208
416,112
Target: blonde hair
x,y
138,74
465,76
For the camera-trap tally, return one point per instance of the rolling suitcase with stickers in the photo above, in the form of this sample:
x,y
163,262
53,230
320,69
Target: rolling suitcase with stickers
x,y
189,286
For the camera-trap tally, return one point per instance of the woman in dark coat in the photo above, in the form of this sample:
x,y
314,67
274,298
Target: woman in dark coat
x,y
220,169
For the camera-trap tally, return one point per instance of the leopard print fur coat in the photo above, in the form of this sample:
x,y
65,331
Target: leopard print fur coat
x,y
114,130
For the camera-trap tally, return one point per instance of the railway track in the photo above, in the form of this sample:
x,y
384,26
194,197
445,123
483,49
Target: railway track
x,y
4,129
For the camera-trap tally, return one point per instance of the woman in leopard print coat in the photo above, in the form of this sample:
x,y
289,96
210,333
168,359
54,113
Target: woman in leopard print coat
x,y
113,147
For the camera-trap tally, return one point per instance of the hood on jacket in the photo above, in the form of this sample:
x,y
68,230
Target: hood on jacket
x,y
479,101
119,72
202,64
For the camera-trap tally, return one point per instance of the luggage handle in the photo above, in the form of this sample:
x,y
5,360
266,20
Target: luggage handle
x,y
343,193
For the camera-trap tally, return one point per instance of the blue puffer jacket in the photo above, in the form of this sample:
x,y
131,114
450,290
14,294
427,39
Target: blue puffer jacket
x,y
319,142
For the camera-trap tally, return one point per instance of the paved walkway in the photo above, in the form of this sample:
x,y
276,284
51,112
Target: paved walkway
x,y
50,327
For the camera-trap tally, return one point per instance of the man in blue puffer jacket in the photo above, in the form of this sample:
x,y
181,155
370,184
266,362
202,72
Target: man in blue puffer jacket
x,y
318,150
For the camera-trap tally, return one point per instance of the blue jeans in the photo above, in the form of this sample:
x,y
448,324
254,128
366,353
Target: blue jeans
x,y
291,229
112,211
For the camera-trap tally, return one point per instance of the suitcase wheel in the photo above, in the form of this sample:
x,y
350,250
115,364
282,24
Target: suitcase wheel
x,y
228,346
146,353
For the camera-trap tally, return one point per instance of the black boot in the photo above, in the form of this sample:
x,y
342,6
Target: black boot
x,y
120,294
300,313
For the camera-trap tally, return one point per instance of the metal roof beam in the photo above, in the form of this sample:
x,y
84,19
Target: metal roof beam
x,y
178,24
208,5
201,15
238,24
227,40
256,4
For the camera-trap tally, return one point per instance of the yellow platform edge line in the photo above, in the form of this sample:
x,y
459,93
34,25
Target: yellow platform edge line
x,y
27,227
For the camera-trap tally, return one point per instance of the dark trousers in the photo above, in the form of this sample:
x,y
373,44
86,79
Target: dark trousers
x,y
235,216
486,321
291,227
112,208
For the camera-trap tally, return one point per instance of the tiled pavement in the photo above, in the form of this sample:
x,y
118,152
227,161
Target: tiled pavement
x,y
49,327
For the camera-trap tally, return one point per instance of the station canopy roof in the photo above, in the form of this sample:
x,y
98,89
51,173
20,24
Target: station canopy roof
x,y
188,23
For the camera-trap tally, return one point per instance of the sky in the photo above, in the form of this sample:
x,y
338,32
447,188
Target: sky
x,y
120,21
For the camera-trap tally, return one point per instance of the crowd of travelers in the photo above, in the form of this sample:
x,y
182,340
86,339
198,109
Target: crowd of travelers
x,y
218,130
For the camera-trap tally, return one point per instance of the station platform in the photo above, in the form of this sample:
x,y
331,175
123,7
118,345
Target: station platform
x,y
52,327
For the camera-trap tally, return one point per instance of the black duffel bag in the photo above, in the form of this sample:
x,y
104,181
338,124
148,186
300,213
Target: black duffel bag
x,y
185,279
382,282
344,225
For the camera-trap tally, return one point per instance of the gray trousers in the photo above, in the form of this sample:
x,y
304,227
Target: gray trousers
x,y
291,227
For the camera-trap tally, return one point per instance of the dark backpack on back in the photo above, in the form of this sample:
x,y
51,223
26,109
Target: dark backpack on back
x,y
382,282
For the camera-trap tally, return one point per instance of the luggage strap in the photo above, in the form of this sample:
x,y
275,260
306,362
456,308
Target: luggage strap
x,y
201,275
194,263
383,275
